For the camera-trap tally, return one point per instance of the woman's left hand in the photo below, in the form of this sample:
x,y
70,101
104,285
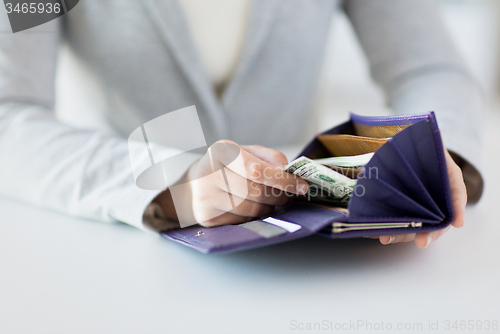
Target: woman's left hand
x,y
459,197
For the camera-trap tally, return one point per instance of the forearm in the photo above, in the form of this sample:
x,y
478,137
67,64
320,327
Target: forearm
x,y
78,172
412,57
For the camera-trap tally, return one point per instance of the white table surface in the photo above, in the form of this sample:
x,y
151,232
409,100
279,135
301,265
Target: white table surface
x,y
60,274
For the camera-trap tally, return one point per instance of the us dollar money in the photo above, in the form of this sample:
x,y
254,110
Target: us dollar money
x,y
354,161
324,182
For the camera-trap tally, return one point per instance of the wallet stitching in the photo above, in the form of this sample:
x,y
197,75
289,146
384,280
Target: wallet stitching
x,y
394,118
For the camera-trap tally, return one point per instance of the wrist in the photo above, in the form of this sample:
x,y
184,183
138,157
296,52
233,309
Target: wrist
x,y
165,201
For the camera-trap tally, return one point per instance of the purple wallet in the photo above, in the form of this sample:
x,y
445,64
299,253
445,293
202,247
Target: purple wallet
x,y
409,192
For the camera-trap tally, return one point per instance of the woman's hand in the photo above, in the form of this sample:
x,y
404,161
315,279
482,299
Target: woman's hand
x,y
231,184
459,197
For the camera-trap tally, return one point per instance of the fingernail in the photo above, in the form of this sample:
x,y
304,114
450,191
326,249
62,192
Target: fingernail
x,y
429,240
391,239
302,189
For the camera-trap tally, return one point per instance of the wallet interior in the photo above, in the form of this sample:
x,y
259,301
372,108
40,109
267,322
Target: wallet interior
x,y
354,139
409,181
350,143
340,145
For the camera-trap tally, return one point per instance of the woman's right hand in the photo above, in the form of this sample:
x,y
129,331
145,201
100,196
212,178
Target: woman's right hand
x,y
231,184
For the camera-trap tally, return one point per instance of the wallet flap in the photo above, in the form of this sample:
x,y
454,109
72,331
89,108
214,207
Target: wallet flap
x,y
394,169
422,149
308,219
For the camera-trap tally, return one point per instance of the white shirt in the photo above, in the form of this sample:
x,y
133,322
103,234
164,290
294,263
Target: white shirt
x,y
218,28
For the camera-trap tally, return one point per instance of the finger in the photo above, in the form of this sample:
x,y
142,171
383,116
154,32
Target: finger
x,y
239,206
224,218
267,195
263,172
274,157
393,239
458,191
253,191
423,240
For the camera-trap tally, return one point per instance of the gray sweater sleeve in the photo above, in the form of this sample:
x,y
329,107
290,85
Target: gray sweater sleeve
x,y
45,162
412,57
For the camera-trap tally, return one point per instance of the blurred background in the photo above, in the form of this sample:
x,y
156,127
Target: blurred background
x,y
345,83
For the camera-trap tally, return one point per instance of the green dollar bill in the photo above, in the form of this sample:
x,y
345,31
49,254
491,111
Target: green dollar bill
x,y
332,184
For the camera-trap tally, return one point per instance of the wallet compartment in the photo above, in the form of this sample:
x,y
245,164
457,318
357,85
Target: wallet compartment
x,y
412,183
342,145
